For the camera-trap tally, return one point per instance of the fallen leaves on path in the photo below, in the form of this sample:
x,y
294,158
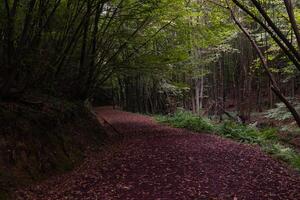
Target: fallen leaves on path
x,y
155,162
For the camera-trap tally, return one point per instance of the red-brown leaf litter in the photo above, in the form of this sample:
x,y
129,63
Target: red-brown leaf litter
x,y
148,161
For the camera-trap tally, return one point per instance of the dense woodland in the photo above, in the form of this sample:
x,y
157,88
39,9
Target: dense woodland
x,y
153,56
219,59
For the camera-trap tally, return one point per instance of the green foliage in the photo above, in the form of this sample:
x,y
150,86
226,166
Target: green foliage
x,y
228,129
245,134
281,113
184,119
284,153
175,89
267,138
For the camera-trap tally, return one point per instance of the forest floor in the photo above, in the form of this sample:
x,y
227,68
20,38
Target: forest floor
x,y
145,160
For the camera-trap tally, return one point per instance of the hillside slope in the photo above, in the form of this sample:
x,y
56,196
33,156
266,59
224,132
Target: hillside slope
x,y
43,136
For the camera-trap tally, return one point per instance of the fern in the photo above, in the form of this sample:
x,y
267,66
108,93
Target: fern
x,y
281,113
266,138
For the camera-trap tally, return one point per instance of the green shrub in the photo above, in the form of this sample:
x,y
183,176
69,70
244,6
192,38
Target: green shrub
x,y
296,162
268,134
238,132
184,119
245,133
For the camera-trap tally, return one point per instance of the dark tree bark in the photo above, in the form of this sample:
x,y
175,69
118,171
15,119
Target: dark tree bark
x,y
274,86
290,10
288,49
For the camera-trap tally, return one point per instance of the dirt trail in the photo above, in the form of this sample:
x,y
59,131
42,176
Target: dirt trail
x,y
148,161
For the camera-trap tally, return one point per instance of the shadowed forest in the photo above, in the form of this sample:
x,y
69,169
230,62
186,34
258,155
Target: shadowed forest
x,y
150,99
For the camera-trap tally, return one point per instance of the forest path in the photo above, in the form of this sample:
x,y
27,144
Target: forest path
x,y
149,161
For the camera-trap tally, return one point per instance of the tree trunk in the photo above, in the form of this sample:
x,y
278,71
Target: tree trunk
x,y
274,87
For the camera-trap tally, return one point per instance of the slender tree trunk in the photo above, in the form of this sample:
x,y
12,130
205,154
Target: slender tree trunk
x,y
274,87
201,92
197,95
290,10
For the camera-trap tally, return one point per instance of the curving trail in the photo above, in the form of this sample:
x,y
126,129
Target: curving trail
x,y
148,161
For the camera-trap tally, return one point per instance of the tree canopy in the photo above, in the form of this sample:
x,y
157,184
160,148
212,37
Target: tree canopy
x,y
153,55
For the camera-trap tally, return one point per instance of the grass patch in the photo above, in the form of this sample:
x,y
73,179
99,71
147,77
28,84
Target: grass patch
x,y
266,138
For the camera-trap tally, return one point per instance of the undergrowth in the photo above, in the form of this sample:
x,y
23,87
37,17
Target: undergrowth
x,y
183,119
266,138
